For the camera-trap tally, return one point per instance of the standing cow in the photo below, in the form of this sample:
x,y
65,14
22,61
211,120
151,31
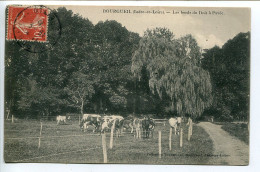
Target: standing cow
x,y
176,124
148,126
62,119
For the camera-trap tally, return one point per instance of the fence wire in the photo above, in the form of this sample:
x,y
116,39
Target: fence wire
x,y
127,138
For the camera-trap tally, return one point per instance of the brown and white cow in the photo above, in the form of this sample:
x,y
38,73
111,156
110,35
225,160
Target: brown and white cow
x,y
116,121
128,125
106,123
113,122
90,120
148,126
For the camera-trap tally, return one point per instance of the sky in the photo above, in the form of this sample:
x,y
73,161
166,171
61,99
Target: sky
x,y
208,29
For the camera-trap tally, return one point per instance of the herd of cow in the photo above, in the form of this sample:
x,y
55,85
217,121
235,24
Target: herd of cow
x,y
118,123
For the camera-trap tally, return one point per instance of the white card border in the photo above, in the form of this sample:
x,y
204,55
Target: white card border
x,y
254,164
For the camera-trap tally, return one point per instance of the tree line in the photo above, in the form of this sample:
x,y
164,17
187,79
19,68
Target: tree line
x,y
229,68
106,69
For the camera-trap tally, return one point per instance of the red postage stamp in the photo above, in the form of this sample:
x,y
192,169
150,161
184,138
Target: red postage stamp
x,y
27,23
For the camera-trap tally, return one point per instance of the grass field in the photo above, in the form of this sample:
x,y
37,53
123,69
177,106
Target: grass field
x,y
239,130
67,144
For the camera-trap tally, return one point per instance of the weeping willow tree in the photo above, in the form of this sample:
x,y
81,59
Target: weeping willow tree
x,y
174,70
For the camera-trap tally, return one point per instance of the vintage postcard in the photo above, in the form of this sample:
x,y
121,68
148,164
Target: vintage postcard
x,y
127,85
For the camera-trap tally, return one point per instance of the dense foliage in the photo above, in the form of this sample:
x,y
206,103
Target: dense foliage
x,y
88,70
174,71
105,68
229,68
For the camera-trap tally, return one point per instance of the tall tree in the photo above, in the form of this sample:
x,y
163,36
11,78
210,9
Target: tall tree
x,y
229,67
35,82
114,46
79,89
174,71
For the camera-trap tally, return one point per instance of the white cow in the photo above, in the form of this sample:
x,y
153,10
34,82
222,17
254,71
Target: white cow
x,y
175,123
63,119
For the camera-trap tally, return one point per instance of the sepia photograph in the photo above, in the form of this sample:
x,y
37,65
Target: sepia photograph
x,y
127,85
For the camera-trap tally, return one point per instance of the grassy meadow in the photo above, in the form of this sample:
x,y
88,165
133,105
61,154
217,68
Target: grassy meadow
x,y
67,144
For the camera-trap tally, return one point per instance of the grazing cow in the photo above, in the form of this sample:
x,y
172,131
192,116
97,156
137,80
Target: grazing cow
x,y
148,126
62,119
128,124
175,123
137,125
90,120
108,121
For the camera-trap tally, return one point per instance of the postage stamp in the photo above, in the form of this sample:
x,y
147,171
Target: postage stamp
x,y
35,28
27,23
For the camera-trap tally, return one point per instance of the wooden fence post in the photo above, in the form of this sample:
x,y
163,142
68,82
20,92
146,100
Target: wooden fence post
x,y
189,134
39,143
181,138
8,113
112,135
12,118
170,139
160,143
191,126
104,146
140,133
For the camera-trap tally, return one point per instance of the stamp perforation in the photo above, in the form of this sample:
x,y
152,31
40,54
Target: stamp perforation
x,y
26,40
